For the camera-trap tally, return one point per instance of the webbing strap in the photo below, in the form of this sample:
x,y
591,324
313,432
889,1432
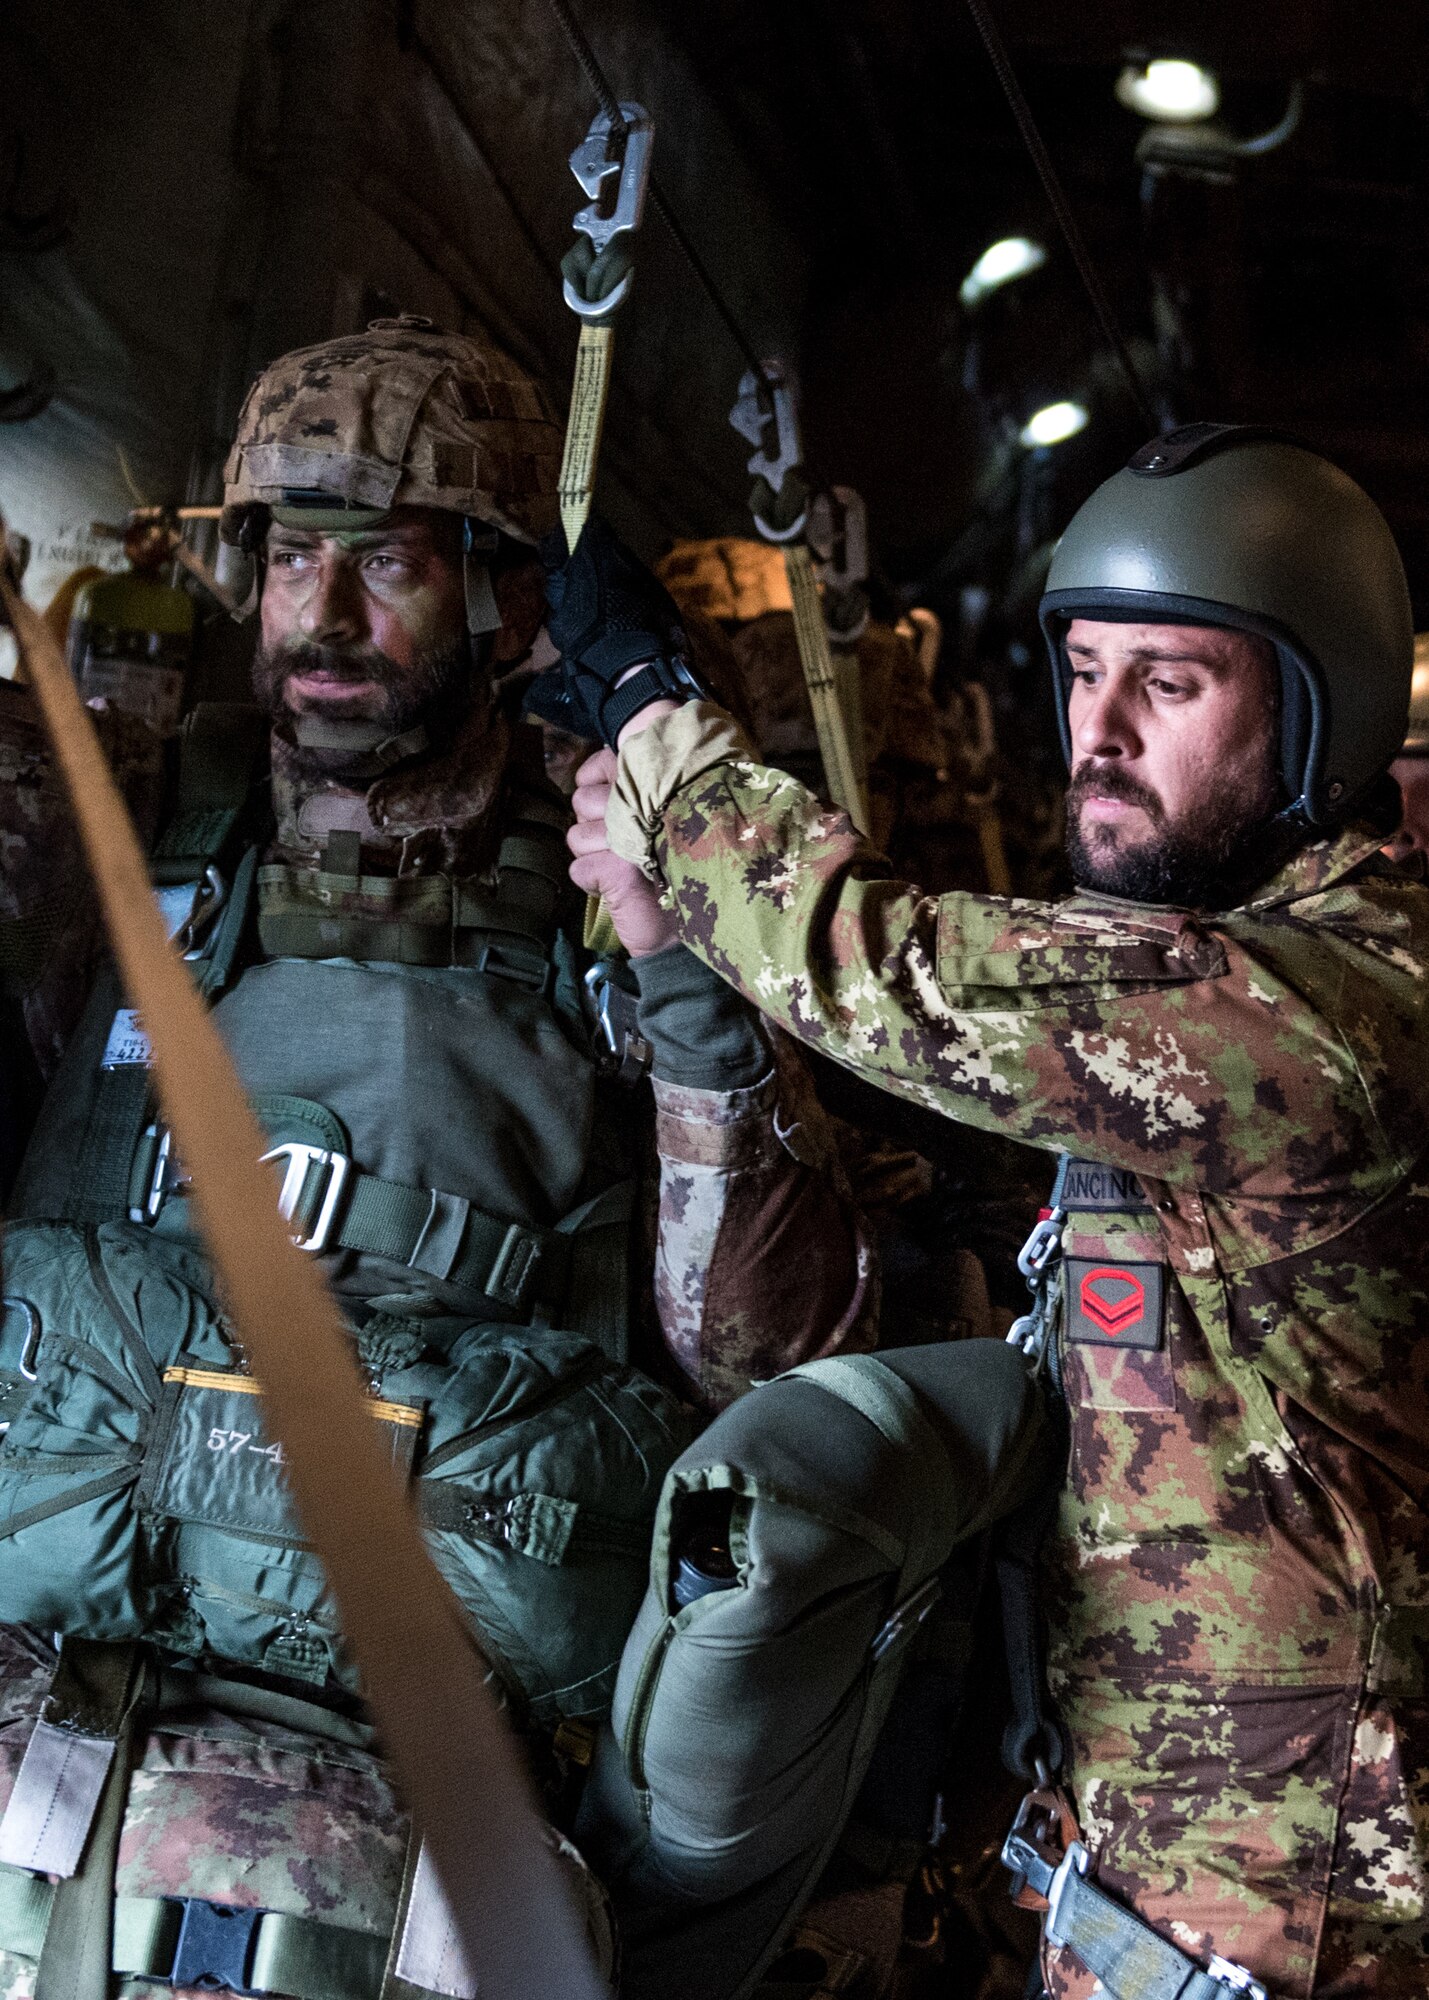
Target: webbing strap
x,y
220,752
300,1956
62,1776
1132,1961
869,1386
447,1238
75,1957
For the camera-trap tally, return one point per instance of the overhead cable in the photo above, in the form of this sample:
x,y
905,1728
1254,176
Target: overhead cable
x,y
600,86
1061,208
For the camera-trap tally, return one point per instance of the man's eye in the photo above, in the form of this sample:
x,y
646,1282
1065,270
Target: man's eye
x,y
386,565
1171,688
287,558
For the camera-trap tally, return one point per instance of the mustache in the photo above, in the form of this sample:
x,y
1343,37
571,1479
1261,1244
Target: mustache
x,y
342,663
1109,781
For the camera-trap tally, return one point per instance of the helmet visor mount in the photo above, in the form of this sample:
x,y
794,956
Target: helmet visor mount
x,y
1302,706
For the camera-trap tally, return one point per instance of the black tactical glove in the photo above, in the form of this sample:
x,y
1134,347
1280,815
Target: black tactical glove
x,y
608,614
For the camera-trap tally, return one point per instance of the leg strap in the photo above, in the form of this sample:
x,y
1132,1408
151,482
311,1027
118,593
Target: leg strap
x,y
1132,1961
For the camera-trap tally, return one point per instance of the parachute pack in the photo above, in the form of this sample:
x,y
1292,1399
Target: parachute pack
x,y
142,1497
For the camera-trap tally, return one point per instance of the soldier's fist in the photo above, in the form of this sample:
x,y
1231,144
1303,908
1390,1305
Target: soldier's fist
x,y
641,924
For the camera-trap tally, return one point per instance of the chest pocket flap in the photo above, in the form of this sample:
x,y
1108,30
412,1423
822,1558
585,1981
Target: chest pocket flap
x,y
1089,945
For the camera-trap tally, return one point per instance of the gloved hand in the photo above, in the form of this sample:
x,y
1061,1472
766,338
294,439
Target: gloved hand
x,y
607,616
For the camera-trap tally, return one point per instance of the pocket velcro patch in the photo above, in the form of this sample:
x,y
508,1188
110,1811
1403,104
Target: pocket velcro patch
x,y
1115,1305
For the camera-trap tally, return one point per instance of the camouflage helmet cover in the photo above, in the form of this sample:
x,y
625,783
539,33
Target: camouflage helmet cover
x,y
405,414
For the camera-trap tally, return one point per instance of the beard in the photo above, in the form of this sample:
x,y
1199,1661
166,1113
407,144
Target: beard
x,y
1203,864
434,683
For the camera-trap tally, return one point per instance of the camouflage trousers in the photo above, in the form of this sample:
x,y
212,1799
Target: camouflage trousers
x,y
1287,1830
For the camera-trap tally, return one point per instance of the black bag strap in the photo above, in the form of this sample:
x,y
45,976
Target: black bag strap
x,y
222,754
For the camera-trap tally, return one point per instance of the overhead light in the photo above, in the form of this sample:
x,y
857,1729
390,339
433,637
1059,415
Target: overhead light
x,y
1168,89
1010,257
1054,423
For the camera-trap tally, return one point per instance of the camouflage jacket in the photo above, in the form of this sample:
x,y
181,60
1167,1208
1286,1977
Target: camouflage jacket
x,y
749,1187
1240,1577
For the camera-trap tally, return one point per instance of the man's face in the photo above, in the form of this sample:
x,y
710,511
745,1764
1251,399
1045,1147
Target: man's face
x,y
1174,739
366,626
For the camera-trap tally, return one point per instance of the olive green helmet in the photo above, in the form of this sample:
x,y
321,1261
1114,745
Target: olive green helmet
x,y
1236,526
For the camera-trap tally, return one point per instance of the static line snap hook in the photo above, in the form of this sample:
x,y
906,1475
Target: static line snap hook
x,y
765,415
614,210
838,536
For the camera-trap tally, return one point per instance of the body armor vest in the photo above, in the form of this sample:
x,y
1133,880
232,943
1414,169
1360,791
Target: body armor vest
x,y
413,1048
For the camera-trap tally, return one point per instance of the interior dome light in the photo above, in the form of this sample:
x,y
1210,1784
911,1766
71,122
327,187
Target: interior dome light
x,y
1168,89
1054,423
1010,257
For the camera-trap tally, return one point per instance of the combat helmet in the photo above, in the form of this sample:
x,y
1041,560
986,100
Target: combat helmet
x,y
405,414
1239,526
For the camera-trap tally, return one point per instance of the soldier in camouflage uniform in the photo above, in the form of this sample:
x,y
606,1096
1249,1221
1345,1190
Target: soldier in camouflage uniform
x,y
1222,1033
387,489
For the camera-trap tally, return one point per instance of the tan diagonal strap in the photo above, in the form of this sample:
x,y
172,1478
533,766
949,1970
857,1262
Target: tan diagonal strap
x,y
455,1762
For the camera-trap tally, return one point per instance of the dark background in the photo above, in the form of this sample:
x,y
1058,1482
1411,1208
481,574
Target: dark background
x,y
191,186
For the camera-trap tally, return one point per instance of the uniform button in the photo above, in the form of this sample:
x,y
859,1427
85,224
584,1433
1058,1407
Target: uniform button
x,y
1166,1205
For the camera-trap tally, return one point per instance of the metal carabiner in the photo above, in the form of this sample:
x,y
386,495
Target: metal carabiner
x,y
605,151
764,414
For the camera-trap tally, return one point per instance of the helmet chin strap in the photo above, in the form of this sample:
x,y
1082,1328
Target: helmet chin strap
x,y
369,745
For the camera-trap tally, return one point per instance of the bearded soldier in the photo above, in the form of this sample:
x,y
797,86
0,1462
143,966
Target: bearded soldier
x,y
1220,1034
368,877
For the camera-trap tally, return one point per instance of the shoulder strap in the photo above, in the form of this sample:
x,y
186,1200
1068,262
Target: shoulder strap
x,y
867,1385
222,754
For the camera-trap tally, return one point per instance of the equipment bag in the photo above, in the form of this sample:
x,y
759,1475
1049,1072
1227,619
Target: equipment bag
x,y
813,1518
141,1497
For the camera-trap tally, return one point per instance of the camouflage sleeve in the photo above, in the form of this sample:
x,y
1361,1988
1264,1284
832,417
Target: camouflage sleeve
x,y
762,1261
1134,1034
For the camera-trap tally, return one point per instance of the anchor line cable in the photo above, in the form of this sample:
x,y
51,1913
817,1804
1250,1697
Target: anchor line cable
x,y
1061,208
600,87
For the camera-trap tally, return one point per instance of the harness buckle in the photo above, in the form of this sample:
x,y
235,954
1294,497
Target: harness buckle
x,y
301,1158
1075,1861
215,1947
1042,1246
1235,1977
515,1268
1027,1853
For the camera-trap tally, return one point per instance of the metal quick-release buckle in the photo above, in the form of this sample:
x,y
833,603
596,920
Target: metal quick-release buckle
x,y
302,1158
159,1185
1042,1245
215,1947
1235,1978
1075,1861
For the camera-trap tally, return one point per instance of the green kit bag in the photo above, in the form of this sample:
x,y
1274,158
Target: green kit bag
x,y
744,1719
142,1497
